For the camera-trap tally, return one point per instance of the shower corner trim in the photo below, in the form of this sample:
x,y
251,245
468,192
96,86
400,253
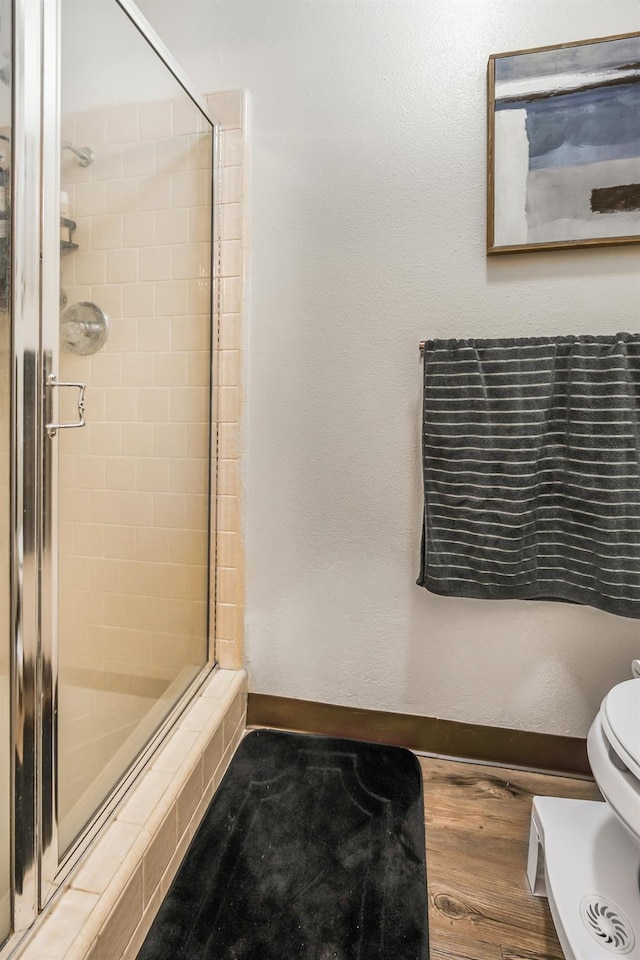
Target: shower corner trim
x,y
26,453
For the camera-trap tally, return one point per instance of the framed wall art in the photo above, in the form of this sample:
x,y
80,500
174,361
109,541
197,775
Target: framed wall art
x,y
564,146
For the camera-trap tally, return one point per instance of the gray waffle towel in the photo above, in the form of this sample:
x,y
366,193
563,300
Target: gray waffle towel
x,y
532,470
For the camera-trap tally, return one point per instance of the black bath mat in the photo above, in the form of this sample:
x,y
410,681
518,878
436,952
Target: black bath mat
x,y
312,849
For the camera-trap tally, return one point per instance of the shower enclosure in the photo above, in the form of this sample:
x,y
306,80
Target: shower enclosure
x,y
107,167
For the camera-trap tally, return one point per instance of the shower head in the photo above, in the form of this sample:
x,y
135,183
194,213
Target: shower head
x,y
84,154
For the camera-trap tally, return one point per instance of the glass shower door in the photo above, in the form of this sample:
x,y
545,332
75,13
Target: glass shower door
x,y
131,487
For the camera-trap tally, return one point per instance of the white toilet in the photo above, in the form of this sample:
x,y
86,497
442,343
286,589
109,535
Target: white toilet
x,y
585,855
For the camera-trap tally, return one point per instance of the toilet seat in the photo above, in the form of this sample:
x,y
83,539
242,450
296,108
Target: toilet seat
x,y
620,718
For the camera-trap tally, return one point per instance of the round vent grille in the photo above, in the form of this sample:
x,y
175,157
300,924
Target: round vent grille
x,y
607,924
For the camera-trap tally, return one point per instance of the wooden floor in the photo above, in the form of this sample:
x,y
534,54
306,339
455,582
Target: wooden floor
x,y
477,832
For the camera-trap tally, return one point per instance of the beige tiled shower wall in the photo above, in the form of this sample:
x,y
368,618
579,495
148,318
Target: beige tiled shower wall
x,y
133,483
143,216
229,111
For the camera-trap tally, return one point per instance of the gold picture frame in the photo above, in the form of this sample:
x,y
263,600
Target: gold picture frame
x,y
563,146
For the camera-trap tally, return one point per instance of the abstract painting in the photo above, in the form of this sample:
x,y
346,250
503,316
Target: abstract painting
x,y
564,146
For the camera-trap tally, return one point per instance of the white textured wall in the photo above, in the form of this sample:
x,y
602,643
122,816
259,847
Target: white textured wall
x,y
367,235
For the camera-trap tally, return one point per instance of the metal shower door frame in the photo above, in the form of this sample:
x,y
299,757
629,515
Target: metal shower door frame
x,y
26,479
38,867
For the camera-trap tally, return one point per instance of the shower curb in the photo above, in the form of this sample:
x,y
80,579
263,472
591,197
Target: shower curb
x,y
105,908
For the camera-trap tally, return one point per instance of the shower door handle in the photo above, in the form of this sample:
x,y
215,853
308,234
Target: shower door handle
x,y
52,428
